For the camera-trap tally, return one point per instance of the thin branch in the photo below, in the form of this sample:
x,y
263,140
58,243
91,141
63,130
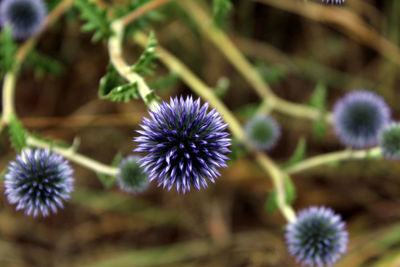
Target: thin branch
x,y
349,23
137,13
233,55
204,91
333,157
73,156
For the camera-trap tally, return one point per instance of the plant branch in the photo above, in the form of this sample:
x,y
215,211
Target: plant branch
x,y
333,157
115,52
232,54
72,155
137,13
204,91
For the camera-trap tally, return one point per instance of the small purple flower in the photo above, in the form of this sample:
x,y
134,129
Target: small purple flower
x,y
389,141
338,2
131,177
317,237
38,181
359,117
186,144
24,16
263,132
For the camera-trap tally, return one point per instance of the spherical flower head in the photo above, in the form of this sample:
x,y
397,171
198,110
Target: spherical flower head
x,y
186,144
131,177
24,16
389,141
359,117
263,132
317,237
38,181
333,2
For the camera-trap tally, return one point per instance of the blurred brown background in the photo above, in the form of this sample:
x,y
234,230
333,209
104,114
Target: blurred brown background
x,y
226,225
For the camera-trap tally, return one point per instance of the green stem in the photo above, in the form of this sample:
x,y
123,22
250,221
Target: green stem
x,y
328,158
232,54
8,96
115,52
204,91
70,154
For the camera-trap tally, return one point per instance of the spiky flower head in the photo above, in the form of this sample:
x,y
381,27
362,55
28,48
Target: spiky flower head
x,y
359,117
317,237
131,177
389,141
333,2
38,181
263,132
186,144
24,16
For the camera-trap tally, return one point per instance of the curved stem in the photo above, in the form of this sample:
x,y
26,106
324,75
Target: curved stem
x,y
333,157
8,96
232,54
71,155
204,91
115,52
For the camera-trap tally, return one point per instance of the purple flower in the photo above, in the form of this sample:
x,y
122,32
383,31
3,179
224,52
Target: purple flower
x,y
263,132
24,16
359,117
338,2
38,181
131,177
389,141
186,144
317,237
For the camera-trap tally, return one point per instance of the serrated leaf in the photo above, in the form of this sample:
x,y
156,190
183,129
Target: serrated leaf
x,y
318,101
220,11
124,93
272,201
96,19
109,81
146,61
17,134
298,154
8,48
43,64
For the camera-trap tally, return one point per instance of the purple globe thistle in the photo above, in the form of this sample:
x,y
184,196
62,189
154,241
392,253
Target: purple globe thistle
x,y
38,181
24,16
359,117
186,144
389,141
263,132
338,2
317,237
131,177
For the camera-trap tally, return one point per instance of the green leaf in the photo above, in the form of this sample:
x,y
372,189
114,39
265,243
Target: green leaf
x,y
109,81
107,180
96,19
318,101
43,64
125,92
272,201
8,48
146,61
298,154
17,134
220,11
